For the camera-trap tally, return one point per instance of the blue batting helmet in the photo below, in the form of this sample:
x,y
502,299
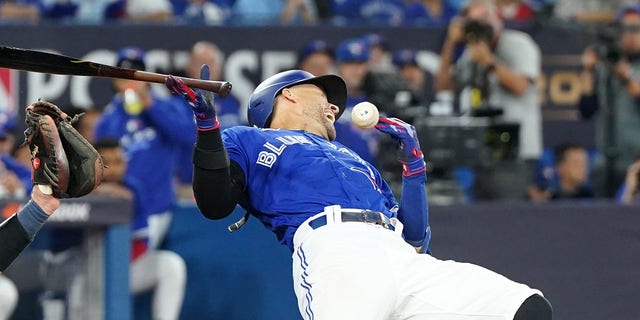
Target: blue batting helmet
x,y
261,101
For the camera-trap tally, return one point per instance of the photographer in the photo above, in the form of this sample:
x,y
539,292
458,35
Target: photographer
x,y
611,95
497,72
495,77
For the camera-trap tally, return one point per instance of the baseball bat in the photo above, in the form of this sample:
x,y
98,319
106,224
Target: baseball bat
x,y
45,62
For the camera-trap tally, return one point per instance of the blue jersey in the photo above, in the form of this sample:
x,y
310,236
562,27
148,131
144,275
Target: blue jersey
x,y
291,175
151,142
23,173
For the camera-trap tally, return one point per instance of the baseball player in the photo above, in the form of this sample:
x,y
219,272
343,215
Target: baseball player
x,y
147,125
357,252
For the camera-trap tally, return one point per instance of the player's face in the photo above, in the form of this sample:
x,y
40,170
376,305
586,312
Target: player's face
x,y
317,113
575,167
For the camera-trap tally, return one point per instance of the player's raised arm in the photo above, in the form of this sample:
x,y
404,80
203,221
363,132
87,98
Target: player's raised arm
x,y
413,211
216,181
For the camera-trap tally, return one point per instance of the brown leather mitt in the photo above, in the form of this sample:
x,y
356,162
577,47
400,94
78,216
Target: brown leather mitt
x,y
60,156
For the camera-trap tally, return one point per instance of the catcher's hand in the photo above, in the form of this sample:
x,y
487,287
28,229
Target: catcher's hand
x,y
61,158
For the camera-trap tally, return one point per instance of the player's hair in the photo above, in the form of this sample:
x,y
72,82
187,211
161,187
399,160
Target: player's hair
x,y
106,143
561,151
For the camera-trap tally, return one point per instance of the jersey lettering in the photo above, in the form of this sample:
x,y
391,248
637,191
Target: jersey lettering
x,y
277,150
266,159
289,140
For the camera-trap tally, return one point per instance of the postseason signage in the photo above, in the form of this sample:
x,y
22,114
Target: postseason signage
x,y
251,54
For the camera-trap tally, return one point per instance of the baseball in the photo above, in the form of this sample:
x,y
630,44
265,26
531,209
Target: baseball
x,y
365,115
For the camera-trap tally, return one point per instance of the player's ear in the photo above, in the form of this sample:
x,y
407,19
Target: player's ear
x,y
288,94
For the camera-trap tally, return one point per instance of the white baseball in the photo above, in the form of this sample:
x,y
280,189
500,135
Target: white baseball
x,y
365,115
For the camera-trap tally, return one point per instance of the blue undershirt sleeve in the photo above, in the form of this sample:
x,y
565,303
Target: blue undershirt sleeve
x,y
414,212
32,218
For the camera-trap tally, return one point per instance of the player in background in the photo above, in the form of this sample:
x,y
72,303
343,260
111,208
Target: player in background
x,y
316,57
162,271
357,252
151,130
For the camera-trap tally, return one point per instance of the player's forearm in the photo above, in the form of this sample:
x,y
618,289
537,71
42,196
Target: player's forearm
x,y
17,232
414,211
216,190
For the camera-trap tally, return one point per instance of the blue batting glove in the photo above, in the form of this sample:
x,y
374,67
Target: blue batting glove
x,y
409,153
201,101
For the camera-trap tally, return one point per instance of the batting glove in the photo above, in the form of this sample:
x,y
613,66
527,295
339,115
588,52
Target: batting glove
x,y
409,153
201,101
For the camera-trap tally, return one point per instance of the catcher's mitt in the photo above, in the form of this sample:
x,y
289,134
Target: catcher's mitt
x,y
60,156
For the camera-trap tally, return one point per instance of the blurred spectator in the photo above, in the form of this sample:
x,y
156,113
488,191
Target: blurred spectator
x,y
265,12
151,131
149,10
20,10
86,122
496,74
81,11
316,57
21,154
227,109
430,12
630,190
610,83
416,77
211,12
379,53
515,10
368,12
569,177
299,12
15,178
352,56
162,271
590,11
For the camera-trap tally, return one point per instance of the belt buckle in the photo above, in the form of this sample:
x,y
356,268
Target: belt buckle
x,y
365,214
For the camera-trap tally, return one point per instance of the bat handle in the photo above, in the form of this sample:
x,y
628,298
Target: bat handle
x,y
222,88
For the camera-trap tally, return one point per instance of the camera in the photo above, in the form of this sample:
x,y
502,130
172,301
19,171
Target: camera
x,y
608,44
476,30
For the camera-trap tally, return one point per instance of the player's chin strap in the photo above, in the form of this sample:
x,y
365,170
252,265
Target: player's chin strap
x,y
238,224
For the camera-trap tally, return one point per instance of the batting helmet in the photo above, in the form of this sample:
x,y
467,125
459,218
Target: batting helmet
x,y
261,101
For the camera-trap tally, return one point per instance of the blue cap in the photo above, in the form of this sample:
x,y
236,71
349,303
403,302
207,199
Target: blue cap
x,y
628,9
404,57
131,58
314,46
352,50
7,123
